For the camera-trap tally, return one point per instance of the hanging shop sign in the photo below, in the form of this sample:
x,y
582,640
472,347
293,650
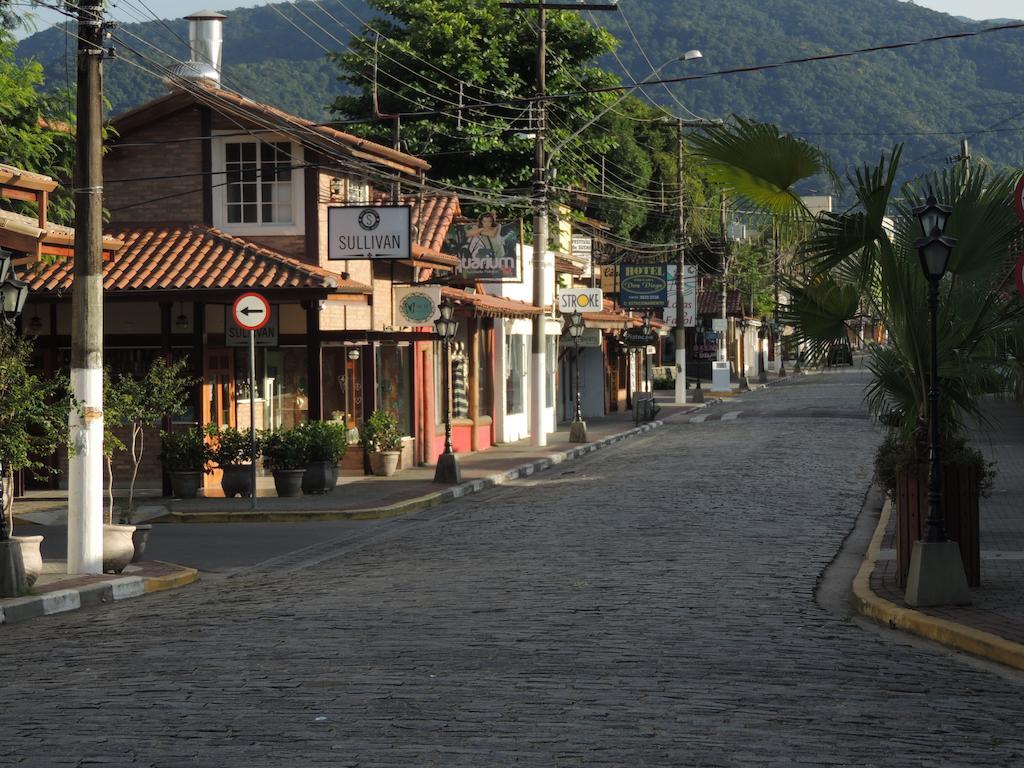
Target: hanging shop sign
x,y
582,253
416,305
610,278
643,285
580,300
637,337
369,232
689,296
237,335
591,338
488,250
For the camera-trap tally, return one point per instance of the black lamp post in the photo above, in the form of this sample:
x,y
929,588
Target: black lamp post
x,y
447,470
575,327
744,385
936,575
13,294
933,250
762,369
646,328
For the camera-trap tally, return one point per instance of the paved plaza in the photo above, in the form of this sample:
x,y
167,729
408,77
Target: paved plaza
x,y
649,605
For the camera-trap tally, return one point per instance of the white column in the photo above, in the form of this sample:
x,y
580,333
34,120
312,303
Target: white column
x,y
85,473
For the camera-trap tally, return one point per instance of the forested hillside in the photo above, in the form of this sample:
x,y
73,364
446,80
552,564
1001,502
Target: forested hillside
x,y
928,96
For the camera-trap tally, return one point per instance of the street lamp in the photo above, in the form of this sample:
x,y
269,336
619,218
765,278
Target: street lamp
x,y
936,575
646,329
762,369
578,430
13,294
447,470
744,385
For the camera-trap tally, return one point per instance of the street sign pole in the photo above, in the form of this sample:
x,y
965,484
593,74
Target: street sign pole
x,y
252,413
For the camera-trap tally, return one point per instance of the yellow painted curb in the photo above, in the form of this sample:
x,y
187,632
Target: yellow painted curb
x,y
183,577
283,516
973,641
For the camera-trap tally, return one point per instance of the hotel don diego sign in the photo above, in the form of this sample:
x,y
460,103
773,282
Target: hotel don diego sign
x,y
369,232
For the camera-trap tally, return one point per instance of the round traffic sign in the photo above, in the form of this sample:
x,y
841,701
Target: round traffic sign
x,y
1018,198
1018,273
251,311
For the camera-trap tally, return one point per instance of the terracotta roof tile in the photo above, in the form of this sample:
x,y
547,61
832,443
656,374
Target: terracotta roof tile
x,y
183,256
486,305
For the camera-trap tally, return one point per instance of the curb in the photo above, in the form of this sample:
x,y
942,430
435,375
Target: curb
x,y
426,501
63,600
974,641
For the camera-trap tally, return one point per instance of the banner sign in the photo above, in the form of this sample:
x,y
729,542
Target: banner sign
x,y
237,336
580,300
583,253
689,296
374,232
416,305
488,250
643,285
591,338
635,337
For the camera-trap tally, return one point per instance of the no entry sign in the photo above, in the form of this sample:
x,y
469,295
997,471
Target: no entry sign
x,y
251,311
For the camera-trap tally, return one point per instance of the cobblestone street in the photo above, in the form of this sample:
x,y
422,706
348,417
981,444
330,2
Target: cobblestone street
x,y
649,605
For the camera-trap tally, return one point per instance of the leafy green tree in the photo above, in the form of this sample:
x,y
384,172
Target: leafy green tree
x,y
35,128
136,404
33,410
427,48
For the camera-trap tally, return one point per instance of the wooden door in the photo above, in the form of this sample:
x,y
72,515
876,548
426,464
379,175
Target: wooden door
x,y
218,396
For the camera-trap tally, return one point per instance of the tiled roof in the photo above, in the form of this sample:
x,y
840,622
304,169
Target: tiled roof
x,y
435,219
485,305
178,257
52,235
710,303
17,177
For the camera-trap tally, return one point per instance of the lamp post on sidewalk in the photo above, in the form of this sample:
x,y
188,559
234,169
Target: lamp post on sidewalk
x,y
762,369
13,294
578,430
936,575
448,470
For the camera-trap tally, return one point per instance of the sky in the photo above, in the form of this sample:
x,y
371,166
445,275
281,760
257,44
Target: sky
x,y
170,9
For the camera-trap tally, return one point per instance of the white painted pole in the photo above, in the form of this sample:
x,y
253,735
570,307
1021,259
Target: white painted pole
x,y
252,413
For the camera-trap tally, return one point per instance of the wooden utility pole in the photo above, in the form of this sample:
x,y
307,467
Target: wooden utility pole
x,y
680,394
723,354
85,475
538,369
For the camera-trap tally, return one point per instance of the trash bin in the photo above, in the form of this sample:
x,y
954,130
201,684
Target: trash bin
x,y
720,376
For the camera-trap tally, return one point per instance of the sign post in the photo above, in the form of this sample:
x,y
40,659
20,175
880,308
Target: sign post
x,y
251,311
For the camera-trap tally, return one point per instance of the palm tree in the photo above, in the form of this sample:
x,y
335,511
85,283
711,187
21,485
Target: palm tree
x,y
865,256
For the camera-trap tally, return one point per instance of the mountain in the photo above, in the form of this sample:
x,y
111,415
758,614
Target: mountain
x,y
929,96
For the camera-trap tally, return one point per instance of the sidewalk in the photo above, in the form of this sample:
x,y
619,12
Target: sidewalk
x,y
993,625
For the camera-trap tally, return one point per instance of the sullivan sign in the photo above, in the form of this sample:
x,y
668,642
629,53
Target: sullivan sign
x,y
368,232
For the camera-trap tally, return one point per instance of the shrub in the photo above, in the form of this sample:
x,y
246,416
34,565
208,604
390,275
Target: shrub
x,y
325,440
897,454
231,447
380,433
184,450
284,448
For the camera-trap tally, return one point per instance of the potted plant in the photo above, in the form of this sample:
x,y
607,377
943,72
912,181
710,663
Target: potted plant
x,y
33,422
326,443
382,440
284,452
185,454
232,451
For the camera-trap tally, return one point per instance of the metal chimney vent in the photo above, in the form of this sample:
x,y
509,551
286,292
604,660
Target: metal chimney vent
x,y
206,38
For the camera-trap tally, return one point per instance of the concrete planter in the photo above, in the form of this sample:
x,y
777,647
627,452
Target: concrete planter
x,y
185,485
237,480
140,537
31,557
320,477
288,482
384,463
118,548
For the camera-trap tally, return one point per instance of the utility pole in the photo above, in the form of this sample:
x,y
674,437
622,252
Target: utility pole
x,y
723,354
538,368
680,398
85,469
777,326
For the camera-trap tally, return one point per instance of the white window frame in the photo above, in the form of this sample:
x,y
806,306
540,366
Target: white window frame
x,y
219,179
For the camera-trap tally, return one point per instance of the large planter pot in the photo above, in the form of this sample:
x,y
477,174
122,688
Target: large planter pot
x,y
237,480
384,463
288,482
140,537
118,548
320,477
31,557
185,485
960,494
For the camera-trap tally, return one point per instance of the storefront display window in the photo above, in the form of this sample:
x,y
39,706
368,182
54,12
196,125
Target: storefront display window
x,y
484,374
282,394
394,382
515,377
342,387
